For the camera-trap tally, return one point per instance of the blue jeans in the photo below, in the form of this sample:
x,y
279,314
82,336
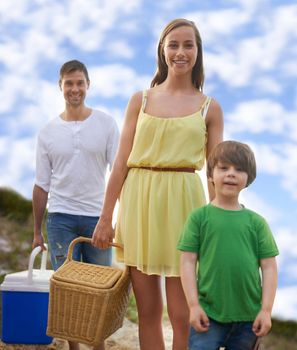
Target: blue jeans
x,y
232,336
63,228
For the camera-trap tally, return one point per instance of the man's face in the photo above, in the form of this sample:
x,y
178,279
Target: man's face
x,y
74,86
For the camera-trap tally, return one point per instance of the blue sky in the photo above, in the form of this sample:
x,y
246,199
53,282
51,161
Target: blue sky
x,y
250,55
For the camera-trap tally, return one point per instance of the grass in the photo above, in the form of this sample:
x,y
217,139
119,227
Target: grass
x,y
131,312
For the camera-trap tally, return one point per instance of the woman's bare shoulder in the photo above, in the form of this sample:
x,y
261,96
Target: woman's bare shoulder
x,y
214,107
136,97
135,101
214,114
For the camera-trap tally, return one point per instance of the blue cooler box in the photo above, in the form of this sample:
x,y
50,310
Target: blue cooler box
x,y
25,304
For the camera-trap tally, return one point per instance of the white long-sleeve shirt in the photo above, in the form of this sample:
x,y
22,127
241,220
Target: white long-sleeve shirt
x,y
71,162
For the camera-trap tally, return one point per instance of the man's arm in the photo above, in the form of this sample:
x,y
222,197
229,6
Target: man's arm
x,y
39,201
262,323
198,318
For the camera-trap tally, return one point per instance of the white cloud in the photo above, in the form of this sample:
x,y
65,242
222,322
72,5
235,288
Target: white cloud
x,y
18,160
277,159
41,101
12,85
120,49
286,239
258,116
285,305
268,158
117,80
241,58
218,23
257,203
88,21
289,67
13,11
267,84
47,29
289,168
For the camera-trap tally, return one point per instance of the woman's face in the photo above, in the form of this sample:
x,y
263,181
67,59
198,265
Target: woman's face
x,y
180,50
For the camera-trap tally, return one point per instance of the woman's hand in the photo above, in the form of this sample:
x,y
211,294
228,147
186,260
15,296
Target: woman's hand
x,y
103,233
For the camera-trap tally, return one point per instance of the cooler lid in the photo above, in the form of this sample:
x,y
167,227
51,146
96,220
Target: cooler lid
x,y
19,281
31,280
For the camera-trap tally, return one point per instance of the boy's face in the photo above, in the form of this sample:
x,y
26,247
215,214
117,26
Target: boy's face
x,y
228,179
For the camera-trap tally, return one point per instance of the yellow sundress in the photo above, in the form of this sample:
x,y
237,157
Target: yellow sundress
x,y
155,204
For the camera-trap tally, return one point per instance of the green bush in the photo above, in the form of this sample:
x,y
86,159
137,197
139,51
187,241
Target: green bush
x,y
286,329
14,206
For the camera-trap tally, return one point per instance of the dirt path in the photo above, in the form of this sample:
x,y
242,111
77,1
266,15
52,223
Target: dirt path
x,y
126,338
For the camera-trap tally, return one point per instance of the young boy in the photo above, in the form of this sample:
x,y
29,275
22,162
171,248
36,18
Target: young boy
x,y
229,304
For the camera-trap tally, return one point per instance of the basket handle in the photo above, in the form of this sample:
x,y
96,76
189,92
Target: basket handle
x,y
87,240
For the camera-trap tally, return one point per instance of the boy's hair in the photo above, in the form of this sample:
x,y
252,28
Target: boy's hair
x,y
162,68
236,153
72,66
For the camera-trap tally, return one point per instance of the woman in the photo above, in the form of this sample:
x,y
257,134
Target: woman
x,y
167,133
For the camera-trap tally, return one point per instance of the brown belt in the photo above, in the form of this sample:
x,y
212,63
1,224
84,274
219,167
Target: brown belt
x,y
185,170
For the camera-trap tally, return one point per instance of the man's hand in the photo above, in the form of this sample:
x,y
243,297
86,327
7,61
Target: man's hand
x,y
38,241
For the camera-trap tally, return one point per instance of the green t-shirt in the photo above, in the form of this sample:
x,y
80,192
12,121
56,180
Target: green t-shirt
x,y
229,245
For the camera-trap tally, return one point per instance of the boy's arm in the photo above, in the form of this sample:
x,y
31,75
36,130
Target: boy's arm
x,y
198,318
262,323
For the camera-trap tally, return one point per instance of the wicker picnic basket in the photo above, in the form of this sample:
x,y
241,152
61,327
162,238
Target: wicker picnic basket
x,y
87,302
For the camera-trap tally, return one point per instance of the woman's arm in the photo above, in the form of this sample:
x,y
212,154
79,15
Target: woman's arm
x,y
103,232
215,128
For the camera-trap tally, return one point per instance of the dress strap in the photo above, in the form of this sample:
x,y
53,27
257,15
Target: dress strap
x,y
205,106
144,100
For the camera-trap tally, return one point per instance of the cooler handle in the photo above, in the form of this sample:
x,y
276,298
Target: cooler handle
x,y
33,255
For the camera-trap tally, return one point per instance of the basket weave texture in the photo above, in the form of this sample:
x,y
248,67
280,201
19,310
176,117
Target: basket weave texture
x,y
87,303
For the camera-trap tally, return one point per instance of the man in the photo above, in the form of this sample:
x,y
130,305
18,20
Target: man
x,y
73,151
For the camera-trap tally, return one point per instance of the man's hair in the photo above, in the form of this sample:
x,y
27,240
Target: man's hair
x,y
72,66
236,153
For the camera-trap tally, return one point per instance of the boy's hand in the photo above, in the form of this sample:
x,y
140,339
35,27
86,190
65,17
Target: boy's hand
x,y
262,323
198,319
